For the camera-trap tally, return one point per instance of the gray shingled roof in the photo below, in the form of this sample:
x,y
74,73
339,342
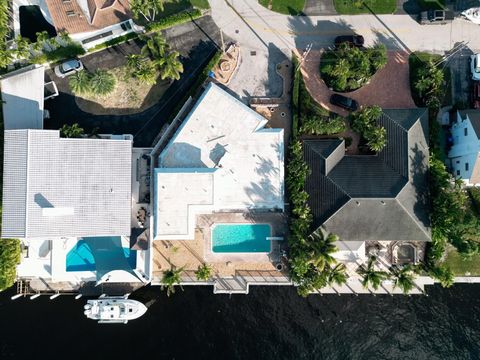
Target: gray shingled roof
x,y
91,177
374,197
474,116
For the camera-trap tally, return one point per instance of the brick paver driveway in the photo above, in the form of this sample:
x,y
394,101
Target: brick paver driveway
x,y
388,88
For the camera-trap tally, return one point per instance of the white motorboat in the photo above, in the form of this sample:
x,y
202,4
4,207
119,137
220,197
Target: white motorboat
x,y
114,309
472,14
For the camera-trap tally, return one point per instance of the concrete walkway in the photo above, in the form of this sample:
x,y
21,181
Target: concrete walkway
x,y
319,7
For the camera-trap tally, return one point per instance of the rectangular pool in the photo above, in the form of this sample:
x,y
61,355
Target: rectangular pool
x,y
241,238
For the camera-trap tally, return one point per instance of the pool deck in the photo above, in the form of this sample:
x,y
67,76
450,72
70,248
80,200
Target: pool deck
x,y
190,254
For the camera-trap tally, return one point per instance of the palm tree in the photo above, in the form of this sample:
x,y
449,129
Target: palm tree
x,y
133,62
22,50
147,8
370,275
6,57
170,279
443,274
142,69
321,248
102,82
337,275
170,66
377,138
80,83
204,272
42,39
147,73
404,278
71,131
156,47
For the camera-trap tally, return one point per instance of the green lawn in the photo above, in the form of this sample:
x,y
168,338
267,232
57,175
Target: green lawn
x,y
461,266
352,7
173,7
431,4
288,7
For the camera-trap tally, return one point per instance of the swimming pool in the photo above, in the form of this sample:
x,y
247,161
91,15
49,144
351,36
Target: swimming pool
x,y
81,256
241,238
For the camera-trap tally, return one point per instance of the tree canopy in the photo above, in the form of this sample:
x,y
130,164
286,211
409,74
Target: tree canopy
x,y
9,258
365,122
348,68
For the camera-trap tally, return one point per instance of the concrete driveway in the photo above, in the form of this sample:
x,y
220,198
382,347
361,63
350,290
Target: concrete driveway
x,y
459,65
195,41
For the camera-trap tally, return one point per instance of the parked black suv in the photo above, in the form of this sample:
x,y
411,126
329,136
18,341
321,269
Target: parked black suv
x,y
352,40
344,102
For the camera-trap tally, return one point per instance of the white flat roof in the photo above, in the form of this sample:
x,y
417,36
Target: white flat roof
x,y
22,93
221,158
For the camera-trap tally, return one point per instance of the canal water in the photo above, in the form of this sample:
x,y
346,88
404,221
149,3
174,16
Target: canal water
x,y
269,323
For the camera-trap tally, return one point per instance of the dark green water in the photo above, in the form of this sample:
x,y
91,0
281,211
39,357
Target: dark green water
x,y
269,323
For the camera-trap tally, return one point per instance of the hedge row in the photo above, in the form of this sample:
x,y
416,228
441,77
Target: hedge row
x,y
62,53
115,41
175,19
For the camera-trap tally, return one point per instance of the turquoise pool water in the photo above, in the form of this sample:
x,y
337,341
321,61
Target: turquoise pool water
x,y
82,256
241,238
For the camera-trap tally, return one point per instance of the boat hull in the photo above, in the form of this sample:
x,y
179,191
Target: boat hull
x,y
114,310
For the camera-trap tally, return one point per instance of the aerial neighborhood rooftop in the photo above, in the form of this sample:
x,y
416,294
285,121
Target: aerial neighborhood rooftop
x,y
232,144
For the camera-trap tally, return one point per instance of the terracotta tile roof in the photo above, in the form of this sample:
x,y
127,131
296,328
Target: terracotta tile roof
x,y
67,15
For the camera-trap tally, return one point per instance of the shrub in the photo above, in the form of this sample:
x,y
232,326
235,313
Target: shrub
x,y
80,83
349,68
443,274
204,272
115,41
71,131
452,218
365,123
65,52
474,194
426,80
102,82
319,126
174,19
9,258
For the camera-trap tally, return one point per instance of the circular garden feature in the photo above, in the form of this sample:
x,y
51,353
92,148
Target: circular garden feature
x,y
349,68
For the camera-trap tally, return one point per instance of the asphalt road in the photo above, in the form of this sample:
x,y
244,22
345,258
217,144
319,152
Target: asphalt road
x,y
462,83
196,42
254,26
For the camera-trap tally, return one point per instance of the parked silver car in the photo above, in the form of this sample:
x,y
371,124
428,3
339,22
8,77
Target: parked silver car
x,y
68,68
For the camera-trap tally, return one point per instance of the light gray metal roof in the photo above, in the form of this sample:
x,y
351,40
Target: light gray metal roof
x,y
65,187
23,93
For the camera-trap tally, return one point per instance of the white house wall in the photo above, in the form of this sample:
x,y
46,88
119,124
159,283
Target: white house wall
x,y
465,149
